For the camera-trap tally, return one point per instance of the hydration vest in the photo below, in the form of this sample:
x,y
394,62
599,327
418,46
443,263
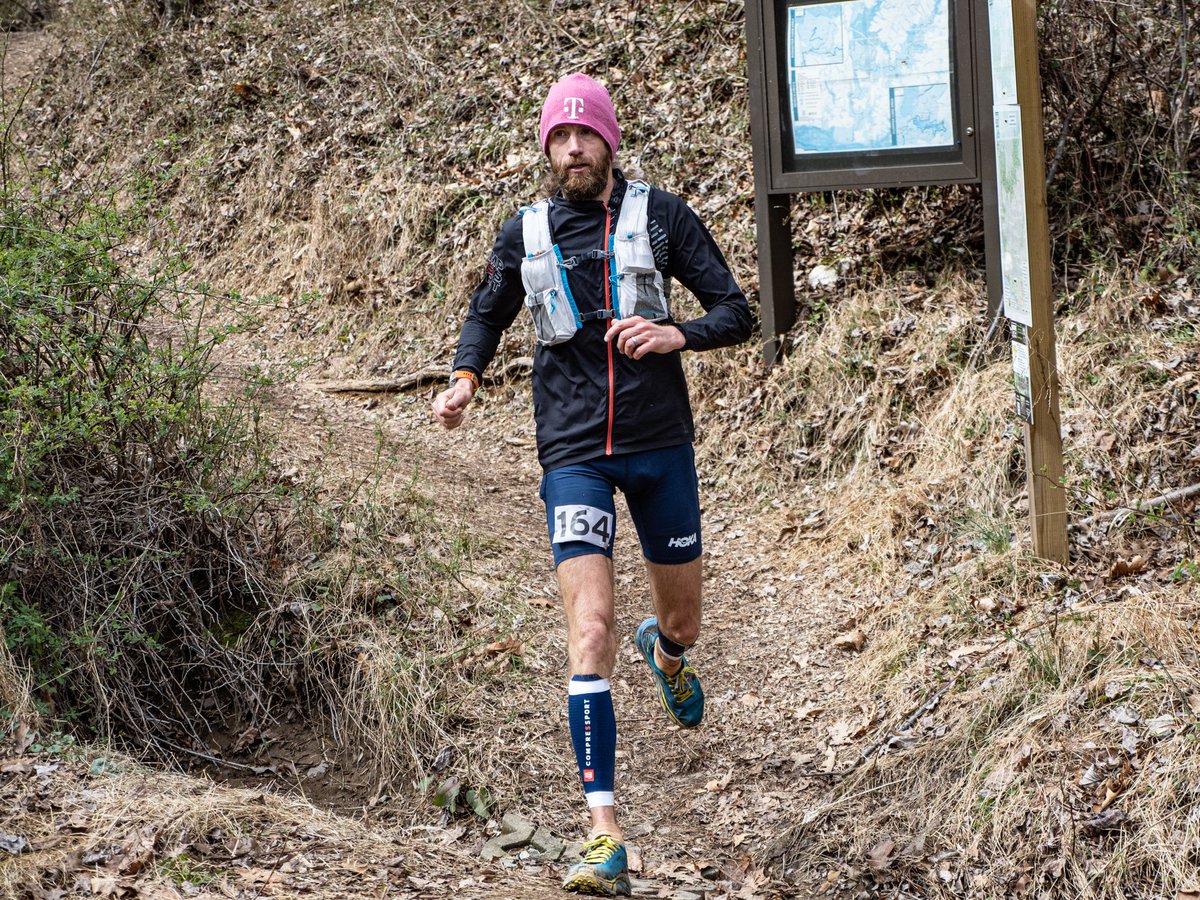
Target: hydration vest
x,y
635,286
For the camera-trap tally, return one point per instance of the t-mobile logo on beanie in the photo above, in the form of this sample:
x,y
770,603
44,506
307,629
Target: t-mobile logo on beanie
x,y
578,100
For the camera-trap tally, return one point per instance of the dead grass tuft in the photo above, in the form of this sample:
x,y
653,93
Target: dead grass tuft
x,y
856,393
370,620
16,699
1060,760
120,828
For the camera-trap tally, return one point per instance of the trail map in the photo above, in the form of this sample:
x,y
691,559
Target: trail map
x,y
870,75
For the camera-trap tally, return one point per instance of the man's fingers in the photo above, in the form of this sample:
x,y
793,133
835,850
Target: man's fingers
x,y
617,327
450,405
449,418
642,341
635,337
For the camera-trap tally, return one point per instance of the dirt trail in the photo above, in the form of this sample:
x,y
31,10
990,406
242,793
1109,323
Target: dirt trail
x,y
21,54
701,806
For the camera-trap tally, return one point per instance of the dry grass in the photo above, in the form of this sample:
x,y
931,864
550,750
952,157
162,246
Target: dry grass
x,y
1022,776
1013,770
367,619
364,185
119,826
16,701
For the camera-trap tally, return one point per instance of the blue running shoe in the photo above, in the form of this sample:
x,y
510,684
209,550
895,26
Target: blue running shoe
x,y
681,694
604,871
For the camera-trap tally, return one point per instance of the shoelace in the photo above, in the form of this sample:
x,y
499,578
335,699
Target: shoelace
x,y
681,688
600,850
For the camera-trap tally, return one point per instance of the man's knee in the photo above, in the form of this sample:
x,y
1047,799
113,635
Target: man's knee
x,y
594,642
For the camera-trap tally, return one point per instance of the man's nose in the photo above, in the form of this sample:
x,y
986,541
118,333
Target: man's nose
x,y
574,144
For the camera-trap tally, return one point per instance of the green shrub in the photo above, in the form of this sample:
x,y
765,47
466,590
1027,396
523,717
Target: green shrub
x,y
128,497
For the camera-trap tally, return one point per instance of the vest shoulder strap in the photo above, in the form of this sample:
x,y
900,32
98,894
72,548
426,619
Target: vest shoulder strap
x,y
635,210
535,228
637,282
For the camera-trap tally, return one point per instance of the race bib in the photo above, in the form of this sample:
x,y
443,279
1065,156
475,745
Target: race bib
x,y
583,523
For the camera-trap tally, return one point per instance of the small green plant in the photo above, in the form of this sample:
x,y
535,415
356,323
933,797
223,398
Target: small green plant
x,y
103,765
986,530
450,797
28,635
985,808
1043,664
1186,570
54,743
183,869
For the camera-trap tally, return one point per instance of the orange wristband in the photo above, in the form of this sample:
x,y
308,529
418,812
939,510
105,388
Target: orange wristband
x,y
466,373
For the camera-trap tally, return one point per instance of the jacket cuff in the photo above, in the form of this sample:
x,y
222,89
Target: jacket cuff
x,y
687,338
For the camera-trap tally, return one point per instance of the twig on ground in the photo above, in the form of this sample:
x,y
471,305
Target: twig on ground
x,y
216,760
1121,513
520,365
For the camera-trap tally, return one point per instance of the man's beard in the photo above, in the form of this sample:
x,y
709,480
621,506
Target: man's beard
x,y
586,185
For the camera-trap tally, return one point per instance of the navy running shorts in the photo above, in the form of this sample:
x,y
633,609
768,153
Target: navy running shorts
x,y
659,486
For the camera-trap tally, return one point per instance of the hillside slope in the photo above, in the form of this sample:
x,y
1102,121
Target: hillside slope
x,y
904,702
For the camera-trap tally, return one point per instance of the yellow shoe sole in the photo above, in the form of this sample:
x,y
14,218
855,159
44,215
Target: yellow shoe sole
x,y
592,884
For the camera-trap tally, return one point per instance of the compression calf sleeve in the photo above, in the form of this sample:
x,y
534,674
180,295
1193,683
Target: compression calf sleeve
x,y
594,736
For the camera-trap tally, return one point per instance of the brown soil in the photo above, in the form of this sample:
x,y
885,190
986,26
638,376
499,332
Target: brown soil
x,y
22,53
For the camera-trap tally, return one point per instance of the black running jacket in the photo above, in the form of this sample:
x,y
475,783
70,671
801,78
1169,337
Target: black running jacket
x,y
588,399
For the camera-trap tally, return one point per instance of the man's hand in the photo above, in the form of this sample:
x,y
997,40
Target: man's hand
x,y
450,405
635,337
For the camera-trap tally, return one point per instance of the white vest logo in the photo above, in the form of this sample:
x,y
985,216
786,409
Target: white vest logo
x,y
573,106
682,542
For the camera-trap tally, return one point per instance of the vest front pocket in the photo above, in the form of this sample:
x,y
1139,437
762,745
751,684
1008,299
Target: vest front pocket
x,y
553,316
634,253
650,302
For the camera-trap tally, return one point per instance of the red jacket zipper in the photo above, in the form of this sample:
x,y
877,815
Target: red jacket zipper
x,y
608,305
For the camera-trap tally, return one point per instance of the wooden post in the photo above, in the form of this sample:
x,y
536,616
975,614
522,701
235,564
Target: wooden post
x,y
1043,439
776,283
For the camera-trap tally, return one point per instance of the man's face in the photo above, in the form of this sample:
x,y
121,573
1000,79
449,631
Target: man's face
x,y
580,159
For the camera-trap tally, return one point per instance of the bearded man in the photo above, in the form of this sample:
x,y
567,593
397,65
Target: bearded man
x,y
593,264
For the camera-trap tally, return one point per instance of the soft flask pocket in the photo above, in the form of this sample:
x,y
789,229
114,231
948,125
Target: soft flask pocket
x,y
553,317
634,251
641,286
650,303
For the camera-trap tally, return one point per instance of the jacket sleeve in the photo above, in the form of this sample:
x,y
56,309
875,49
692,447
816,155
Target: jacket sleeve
x,y
495,302
698,265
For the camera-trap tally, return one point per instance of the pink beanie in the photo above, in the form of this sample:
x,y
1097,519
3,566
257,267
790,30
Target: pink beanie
x,y
580,100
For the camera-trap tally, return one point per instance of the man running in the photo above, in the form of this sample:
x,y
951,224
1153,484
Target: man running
x,y
593,265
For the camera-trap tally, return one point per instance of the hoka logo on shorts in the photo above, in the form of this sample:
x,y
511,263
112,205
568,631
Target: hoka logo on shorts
x,y
683,541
